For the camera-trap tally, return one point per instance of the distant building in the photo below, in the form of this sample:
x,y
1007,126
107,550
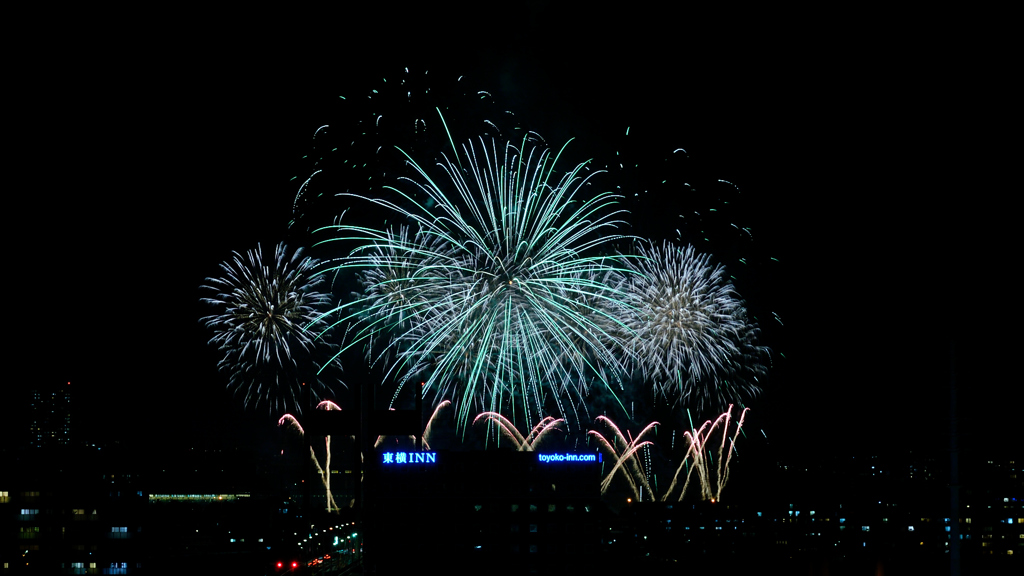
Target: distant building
x,y
511,512
50,416
72,510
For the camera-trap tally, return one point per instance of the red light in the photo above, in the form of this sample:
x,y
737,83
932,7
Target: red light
x,y
295,564
280,564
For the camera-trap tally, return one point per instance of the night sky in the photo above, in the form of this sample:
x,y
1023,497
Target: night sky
x,y
149,156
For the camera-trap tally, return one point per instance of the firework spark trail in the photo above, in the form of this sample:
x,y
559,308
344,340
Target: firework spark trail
x,y
624,456
625,445
323,472
721,446
621,460
522,443
426,430
723,479
430,423
695,460
399,109
265,321
326,473
613,453
291,422
692,336
499,315
505,426
696,450
546,425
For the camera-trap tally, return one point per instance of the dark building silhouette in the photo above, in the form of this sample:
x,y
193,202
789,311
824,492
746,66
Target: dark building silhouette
x,y
502,511
50,416
70,510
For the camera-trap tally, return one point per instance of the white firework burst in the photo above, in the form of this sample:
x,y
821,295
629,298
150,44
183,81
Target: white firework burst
x,y
266,322
689,333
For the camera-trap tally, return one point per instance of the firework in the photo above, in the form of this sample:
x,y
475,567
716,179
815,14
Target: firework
x,y
623,453
521,443
488,296
688,329
430,423
324,472
427,430
698,456
397,109
266,323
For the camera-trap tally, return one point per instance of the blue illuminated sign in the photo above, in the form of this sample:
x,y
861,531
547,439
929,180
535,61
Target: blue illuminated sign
x,y
400,458
567,457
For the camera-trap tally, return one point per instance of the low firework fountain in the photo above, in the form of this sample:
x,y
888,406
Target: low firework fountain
x,y
324,472
522,443
699,457
623,453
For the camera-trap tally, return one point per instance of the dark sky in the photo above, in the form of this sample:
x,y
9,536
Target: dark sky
x,y
150,155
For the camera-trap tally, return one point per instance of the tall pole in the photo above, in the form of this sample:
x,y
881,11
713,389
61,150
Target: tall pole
x,y
419,414
306,397
954,472
366,401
